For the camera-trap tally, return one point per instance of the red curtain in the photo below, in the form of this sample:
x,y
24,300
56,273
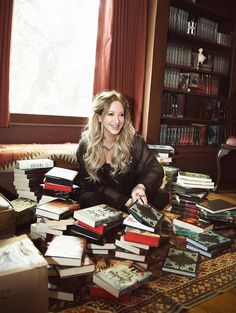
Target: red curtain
x,y
121,49
6,7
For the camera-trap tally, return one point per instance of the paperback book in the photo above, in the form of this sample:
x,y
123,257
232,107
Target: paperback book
x,y
180,261
98,215
34,163
141,236
208,241
120,278
196,225
61,176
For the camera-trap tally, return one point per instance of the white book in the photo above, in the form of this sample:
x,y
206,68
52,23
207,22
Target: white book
x,y
34,163
130,220
98,215
127,246
130,256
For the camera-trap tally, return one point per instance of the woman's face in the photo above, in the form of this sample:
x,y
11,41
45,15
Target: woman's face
x,y
113,121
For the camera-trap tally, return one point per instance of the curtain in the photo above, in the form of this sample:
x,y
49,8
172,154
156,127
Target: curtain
x,y
121,50
6,8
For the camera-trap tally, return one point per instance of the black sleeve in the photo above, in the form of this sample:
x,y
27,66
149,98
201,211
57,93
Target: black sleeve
x,y
149,171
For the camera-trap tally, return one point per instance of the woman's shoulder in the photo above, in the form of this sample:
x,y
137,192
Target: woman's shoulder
x,y
138,139
82,144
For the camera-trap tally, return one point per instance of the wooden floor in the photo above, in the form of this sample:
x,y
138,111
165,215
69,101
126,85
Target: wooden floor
x,y
225,302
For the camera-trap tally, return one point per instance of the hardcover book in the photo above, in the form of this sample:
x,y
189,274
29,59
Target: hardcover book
x,y
124,254
209,254
61,176
87,267
68,248
196,225
57,209
141,236
34,163
194,176
181,262
208,241
217,206
130,220
120,278
146,214
98,215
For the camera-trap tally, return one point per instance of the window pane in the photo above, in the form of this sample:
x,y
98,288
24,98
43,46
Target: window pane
x,y
53,56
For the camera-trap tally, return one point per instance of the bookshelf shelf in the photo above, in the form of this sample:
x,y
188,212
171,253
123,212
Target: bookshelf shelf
x,y
185,95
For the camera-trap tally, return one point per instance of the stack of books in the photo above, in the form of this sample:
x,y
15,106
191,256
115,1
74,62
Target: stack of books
x,y
163,153
194,180
208,244
187,224
98,224
28,177
59,183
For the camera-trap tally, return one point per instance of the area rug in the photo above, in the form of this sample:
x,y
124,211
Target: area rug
x,y
167,293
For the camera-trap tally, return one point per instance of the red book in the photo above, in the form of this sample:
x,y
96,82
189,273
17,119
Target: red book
x,y
51,186
141,236
96,291
98,229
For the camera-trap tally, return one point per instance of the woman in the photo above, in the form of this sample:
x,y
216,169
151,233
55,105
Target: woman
x,y
115,165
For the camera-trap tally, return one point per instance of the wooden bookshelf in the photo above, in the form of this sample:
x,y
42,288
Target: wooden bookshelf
x,y
180,94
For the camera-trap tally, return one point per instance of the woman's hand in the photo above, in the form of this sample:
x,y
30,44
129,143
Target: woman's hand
x,y
138,193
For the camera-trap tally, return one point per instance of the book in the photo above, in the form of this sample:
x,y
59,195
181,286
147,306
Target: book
x,y
34,163
98,215
161,148
191,176
146,214
210,254
57,209
87,267
180,261
141,236
199,185
61,176
58,187
196,225
44,229
127,255
208,241
101,229
130,220
127,246
217,206
120,278
69,248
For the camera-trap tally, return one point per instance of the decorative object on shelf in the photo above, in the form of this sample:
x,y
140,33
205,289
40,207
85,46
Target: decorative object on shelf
x,y
201,57
191,27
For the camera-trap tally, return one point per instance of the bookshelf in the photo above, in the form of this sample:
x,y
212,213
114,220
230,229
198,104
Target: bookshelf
x,y
187,103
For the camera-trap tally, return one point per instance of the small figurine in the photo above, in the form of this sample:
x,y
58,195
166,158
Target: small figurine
x,y
201,57
191,28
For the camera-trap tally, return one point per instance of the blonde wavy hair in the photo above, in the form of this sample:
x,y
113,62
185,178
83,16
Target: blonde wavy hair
x,y
93,133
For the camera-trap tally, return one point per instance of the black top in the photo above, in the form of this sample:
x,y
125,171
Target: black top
x,y
144,169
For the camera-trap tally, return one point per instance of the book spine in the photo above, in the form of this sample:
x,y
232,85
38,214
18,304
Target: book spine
x,y
33,164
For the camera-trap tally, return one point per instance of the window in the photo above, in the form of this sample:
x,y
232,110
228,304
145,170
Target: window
x,y
53,56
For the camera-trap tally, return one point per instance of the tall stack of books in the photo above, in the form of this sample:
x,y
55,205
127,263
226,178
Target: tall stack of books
x,y
194,180
28,177
163,153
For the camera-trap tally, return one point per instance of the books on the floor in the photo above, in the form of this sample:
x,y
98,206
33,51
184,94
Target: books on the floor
x,y
34,163
196,225
217,206
61,176
69,248
127,246
57,209
98,215
24,209
87,267
180,261
120,278
141,236
208,241
127,255
209,254
199,185
146,214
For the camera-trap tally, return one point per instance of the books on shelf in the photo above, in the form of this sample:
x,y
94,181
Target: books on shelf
x,y
98,215
87,267
146,214
61,176
57,209
120,278
180,261
196,225
208,241
69,249
217,206
141,236
34,163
